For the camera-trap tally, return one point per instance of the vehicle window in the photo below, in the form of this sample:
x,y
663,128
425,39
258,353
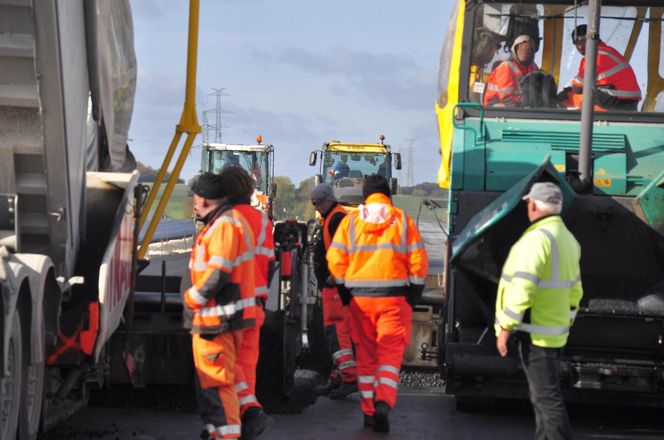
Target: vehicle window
x,y
253,162
338,165
504,73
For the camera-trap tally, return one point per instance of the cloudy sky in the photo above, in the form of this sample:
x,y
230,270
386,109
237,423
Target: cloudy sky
x,y
299,72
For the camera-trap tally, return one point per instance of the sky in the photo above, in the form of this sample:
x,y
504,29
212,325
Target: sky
x,y
298,72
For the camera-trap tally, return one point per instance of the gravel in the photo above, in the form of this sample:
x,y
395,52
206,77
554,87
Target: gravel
x,y
420,378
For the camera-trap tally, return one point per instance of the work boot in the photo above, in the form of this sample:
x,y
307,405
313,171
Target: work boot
x,y
345,389
381,419
325,388
368,421
254,422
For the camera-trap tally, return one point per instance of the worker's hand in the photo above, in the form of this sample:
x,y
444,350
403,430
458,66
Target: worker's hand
x,y
344,294
414,294
603,99
501,342
564,94
329,282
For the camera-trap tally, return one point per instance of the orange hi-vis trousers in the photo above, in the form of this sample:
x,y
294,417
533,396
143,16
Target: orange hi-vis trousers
x,y
336,322
381,331
214,358
247,360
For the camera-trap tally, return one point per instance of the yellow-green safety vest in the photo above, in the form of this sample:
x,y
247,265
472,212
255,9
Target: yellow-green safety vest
x,y
542,275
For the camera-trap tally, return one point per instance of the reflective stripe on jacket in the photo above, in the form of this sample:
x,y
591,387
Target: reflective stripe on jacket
x,y
541,276
612,70
379,249
222,273
503,84
327,237
261,226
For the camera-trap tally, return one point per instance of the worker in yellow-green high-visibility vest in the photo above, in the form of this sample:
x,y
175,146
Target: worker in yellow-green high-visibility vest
x,y
538,296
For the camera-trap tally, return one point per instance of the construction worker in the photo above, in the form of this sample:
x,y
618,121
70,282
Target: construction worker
x,y
379,263
538,297
616,85
503,87
341,168
239,187
222,301
343,378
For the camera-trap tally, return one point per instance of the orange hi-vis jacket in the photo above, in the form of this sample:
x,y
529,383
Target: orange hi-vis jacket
x,y
223,276
261,227
378,251
612,70
327,237
503,84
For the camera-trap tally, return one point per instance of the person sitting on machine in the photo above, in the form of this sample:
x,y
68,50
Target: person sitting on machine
x,y
341,168
616,87
503,88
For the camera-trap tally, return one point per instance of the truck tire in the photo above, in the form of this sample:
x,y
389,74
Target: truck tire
x,y
32,398
10,387
276,364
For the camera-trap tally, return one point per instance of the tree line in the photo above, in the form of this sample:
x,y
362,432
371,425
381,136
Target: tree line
x,y
292,201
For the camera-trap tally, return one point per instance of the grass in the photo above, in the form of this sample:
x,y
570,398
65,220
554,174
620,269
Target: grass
x,y
179,206
411,204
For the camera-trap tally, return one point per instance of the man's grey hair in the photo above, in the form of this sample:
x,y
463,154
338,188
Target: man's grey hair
x,y
549,208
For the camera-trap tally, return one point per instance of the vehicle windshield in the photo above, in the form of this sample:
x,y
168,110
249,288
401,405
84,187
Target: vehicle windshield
x,y
524,56
254,162
338,165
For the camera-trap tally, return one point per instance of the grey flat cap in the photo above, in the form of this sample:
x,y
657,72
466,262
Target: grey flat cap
x,y
546,192
323,191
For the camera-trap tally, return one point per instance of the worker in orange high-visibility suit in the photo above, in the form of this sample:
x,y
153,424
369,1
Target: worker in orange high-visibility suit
x,y
222,301
239,187
616,85
503,87
379,263
343,377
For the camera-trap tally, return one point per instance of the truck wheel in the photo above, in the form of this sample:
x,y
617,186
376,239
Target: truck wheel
x,y
276,364
10,386
32,398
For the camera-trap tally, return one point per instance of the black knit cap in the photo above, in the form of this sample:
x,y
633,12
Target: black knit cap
x,y
208,185
579,33
375,183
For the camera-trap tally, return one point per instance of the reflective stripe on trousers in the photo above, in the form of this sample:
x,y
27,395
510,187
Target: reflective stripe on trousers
x,y
379,347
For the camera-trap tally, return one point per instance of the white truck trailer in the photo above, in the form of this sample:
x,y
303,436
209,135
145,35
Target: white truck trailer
x,y
67,202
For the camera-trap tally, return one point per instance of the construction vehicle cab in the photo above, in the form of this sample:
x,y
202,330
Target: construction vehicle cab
x,y
257,160
609,167
345,165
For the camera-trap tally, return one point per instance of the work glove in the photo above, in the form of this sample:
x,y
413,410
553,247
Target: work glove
x,y
414,294
603,99
329,282
344,294
564,94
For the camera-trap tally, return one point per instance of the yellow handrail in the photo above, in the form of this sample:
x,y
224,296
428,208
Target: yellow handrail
x,y
188,124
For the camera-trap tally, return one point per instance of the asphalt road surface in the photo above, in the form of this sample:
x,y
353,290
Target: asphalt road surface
x,y
420,414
